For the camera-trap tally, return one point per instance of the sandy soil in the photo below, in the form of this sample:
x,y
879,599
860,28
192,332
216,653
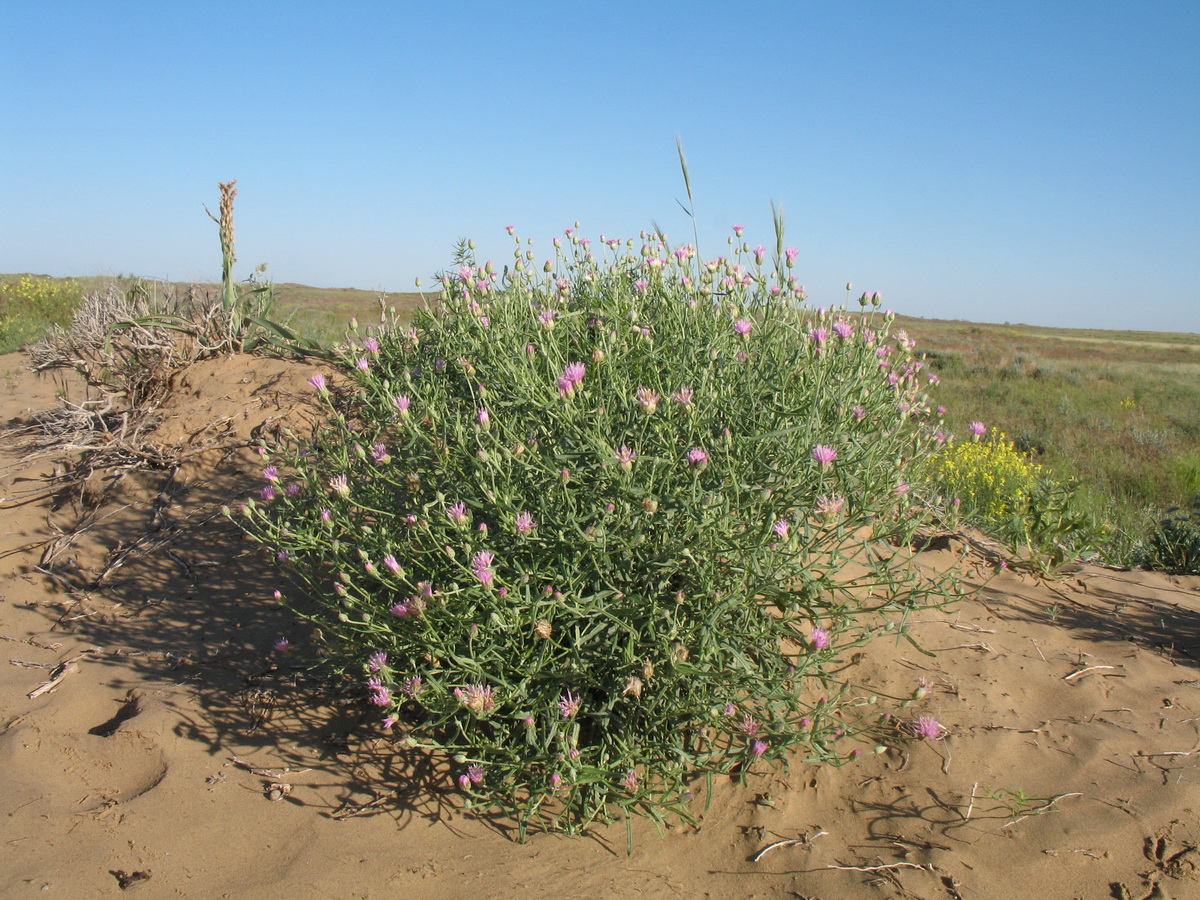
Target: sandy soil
x,y
179,756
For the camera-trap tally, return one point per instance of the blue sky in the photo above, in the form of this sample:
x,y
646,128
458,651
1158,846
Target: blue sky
x,y
1028,162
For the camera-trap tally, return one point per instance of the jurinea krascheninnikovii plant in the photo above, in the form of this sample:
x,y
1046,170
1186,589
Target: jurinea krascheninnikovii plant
x,y
590,531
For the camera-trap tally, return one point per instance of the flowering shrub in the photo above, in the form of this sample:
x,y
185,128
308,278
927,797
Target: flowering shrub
x,y
31,304
590,531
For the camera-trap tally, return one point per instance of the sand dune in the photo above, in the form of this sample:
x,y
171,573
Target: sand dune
x,y
175,754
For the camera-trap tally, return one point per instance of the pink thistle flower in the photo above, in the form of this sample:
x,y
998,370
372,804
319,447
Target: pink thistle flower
x,y
464,782
392,564
820,638
340,485
377,661
843,329
525,522
760,253
380,695
318,382
819,335
860,413
978,429
413,688
625,458
698,457
566,387
749,725
648,400
790,255
574,373
630,782
830,507
641,285
475,773
485,417
738,229
743,327
927,727
292,489
759,748
569,705
782,528
480,699
481,565
362,364
683,396
379,453
389,722
824,454
547,317
510,228
326,515
267,493
283,645
458,514
402,403
372,346
271,473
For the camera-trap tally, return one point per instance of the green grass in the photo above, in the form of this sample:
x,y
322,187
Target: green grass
x,y
1118,411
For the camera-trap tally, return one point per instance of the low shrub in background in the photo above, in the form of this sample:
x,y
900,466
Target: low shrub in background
x,y
591,530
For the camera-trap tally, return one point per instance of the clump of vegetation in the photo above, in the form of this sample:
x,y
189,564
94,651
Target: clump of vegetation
x,y
991,484
30,305
1174,544
592,530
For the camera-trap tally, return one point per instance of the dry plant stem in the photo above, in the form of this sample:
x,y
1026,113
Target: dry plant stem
x,y
803,841
1042,809
1085,671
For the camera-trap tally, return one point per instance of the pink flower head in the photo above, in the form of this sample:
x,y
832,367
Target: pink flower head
x,y
782,528
790,255
760,253
697,457
819,335
525,522
759,748
379,452
830,506
318,381
402,403
743,327
683,396
843,329
630,781
820,638
283,645
340,485
860,412
927,727
485,418
480,699
738,229
481,565
566,387
458,513
749,725
978,429
648,399
362,364
640,285
377,661
372,345
392,564
475,773
824,454
267,493
574,373
380,695
271,473
625,458
547,317
569,704
413,687
510,228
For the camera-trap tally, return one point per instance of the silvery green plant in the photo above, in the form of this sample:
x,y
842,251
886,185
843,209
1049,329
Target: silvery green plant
x,y
594,527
